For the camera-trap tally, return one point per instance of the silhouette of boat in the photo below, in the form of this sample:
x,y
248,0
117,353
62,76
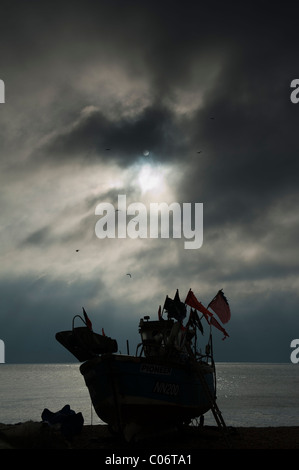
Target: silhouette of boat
x,y
168,382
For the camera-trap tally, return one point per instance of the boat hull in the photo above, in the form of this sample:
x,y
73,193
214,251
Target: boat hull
x,y
127,389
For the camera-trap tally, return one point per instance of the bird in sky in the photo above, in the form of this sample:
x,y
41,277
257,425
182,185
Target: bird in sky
x,y
128,274
77,251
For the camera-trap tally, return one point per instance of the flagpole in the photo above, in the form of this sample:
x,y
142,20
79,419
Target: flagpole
x,y
211,342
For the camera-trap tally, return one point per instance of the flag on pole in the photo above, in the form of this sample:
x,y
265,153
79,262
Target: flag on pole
x,y
192,301
220,306
87,321
194,320
175,308
215,323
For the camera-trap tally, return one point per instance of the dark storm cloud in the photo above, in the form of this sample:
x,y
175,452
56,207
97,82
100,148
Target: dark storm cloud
x,y
172,46
162,44
248,162
95,137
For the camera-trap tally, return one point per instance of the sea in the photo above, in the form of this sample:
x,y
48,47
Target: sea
x,y
248,394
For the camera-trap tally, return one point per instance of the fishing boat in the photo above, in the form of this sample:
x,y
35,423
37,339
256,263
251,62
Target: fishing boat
x,y
171,379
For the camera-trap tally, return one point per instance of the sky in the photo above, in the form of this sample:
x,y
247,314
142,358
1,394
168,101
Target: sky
x,y
161,102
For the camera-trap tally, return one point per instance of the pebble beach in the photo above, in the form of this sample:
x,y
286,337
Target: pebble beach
x,y
35,435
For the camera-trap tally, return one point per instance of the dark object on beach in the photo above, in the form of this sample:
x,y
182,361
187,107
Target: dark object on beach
x,y
71,423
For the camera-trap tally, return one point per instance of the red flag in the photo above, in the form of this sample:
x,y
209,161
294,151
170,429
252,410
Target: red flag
x,y
221,307
215,323
192,301
87,321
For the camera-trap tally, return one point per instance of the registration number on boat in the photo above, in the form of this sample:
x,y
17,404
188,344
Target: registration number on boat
x,y
166,388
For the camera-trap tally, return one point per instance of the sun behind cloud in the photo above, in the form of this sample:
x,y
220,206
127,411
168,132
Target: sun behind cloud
x,y
150,178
